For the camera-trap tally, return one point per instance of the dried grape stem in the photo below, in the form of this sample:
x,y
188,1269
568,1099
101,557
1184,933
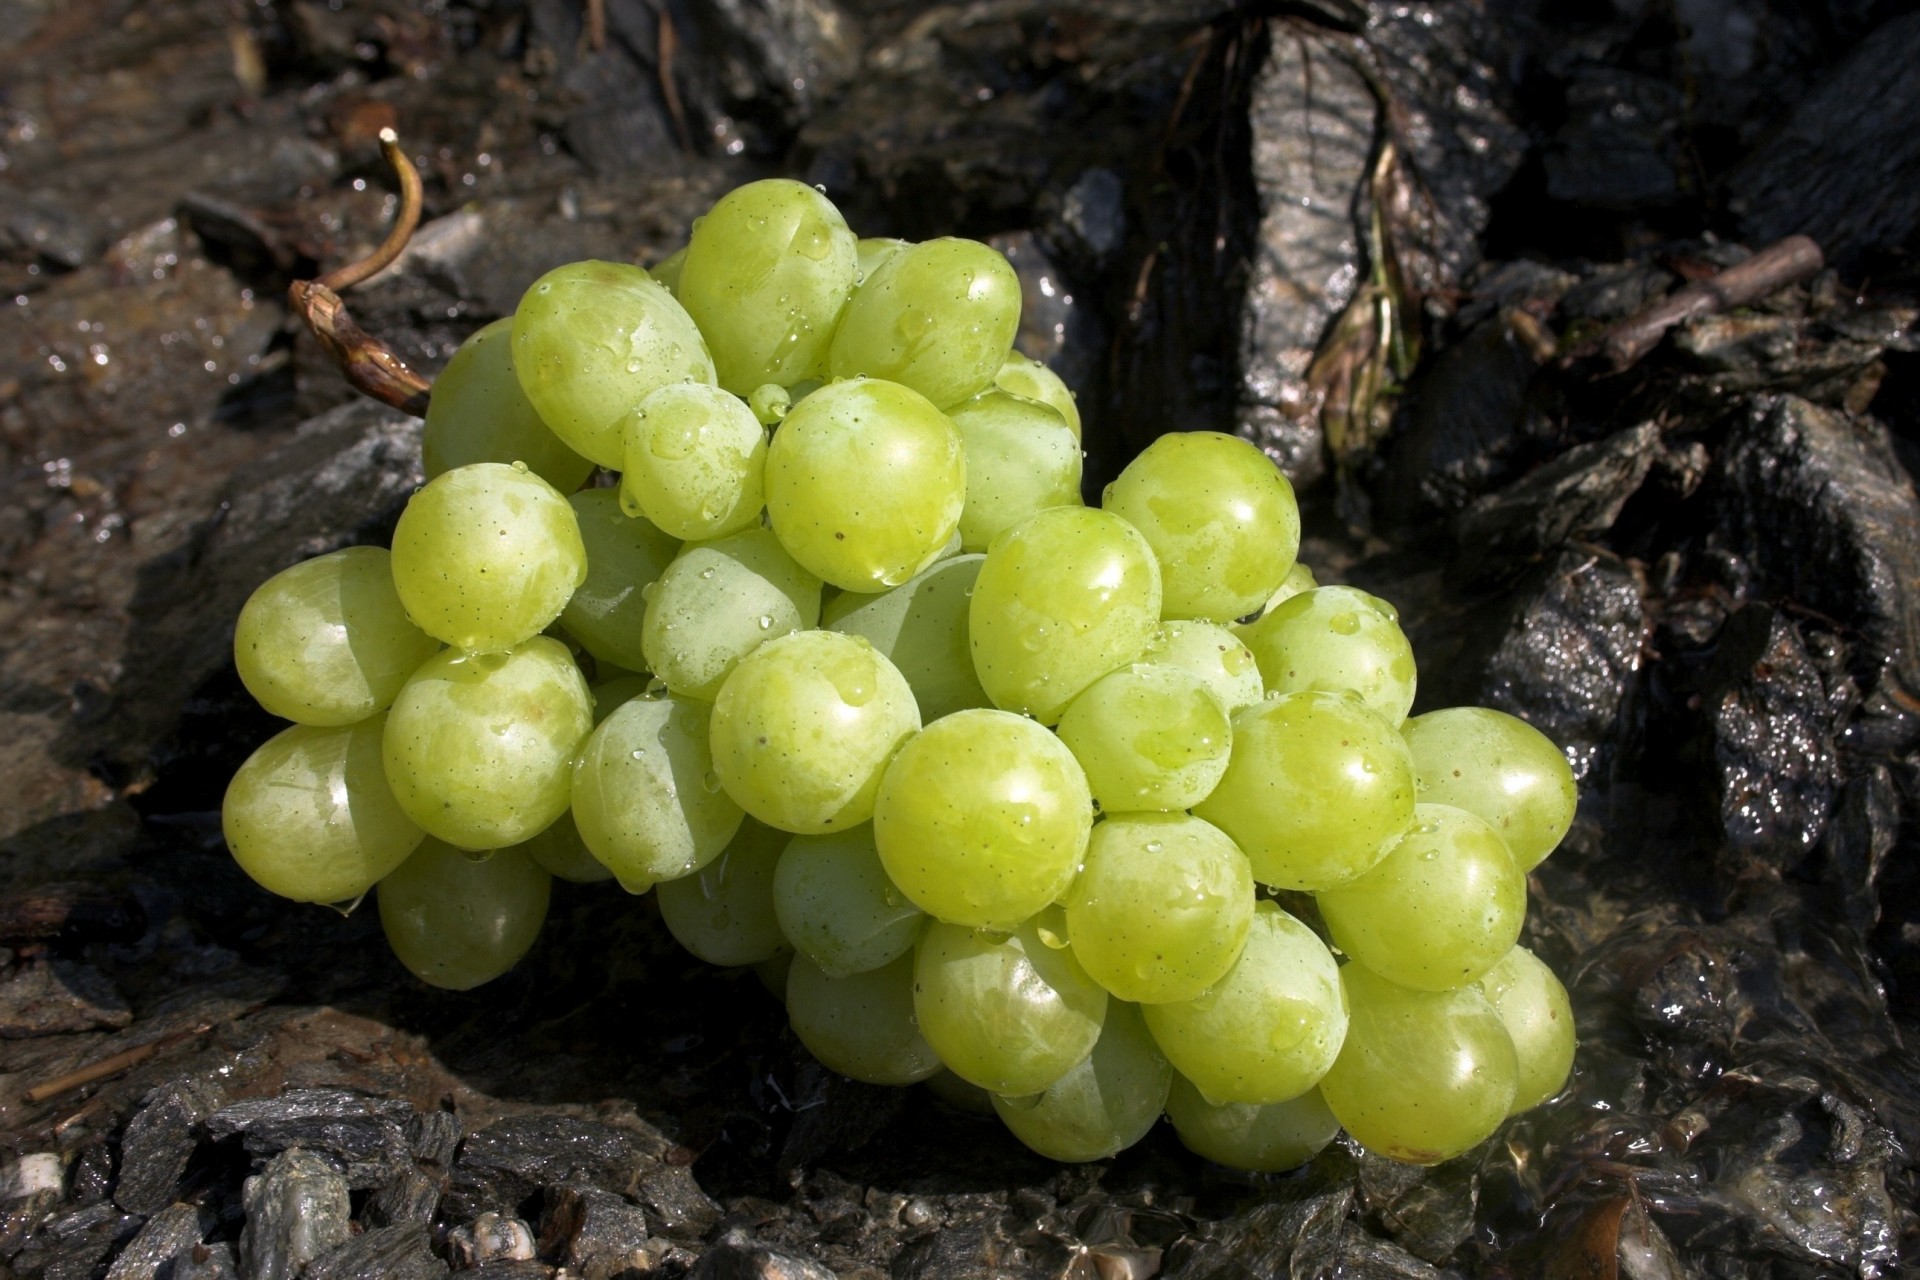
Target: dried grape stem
x,y
368,363
1775,267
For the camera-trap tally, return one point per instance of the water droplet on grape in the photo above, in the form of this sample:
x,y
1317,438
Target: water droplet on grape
x,y
1154,846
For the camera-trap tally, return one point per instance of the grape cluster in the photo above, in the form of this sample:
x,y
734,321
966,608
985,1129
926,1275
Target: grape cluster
x,y
986,781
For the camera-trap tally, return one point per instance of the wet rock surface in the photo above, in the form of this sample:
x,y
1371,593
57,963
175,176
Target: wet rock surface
x,y
1384,241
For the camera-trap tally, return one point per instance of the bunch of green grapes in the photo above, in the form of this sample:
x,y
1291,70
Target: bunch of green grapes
x,y
987,782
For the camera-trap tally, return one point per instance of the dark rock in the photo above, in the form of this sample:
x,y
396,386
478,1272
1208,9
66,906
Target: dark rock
x,y
777,59
675,1204
1299,1231
384,1253
150,1255
413,1197
1429,1212
159,1141
965,1251
1860,838
756,1262
501,1165
75,1246
56,995
434,1136
1055,327
1620,146
364,1136
583,1224
296,1210
71,913
511,1269
491,1237
206,1262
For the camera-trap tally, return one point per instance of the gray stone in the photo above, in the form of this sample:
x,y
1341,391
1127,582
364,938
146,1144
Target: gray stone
x,y
296,1210
159,1141
385,1253
150,1255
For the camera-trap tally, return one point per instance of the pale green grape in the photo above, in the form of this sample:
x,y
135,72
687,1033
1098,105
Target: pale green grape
x,y
870,252
865,483
1149,738
1161,907
457,919
1299,578
804,726
1333,639
1266,1139
479,747
667,270
1268,1030
982,818
1424,1075
861,1025
723,913
1102,1105
921,625
590,340
327,641
1534,1008
310,816
609,694
767,273
694,461
1500,768
486,556
1064,597
1021,458
624,557
836,905
478,413
645,795
1219,516
564,854
719,601
775,969
959,1094
1212,652
1316,789
1026,377
1010,1012
769,404
1439,910
938,316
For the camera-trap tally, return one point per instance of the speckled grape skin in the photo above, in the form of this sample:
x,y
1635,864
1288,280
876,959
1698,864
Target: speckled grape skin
x,y
1439,910
478,413
479,748
983,818
1021,458
861,1025
1424,1075
1334,639
921,625
938,316
865,483
1212,652
1317,788
1265,1139
723,913
310,816
1064,597
1220,517
804,726
327,641
1149,738
1534,1008
457,921
836,905
486,556
718,602
694,461
624,557
1026,377
1499,767
1104,1104
590,340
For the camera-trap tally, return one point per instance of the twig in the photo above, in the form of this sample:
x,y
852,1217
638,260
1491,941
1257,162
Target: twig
x,y
1775,267
114,1065
669,45
369,364
596,25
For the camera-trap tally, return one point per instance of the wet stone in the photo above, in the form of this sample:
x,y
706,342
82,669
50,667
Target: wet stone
x,y
207,1262
1298,1231
491,1237
675,1204
52,996
413,1197
503,1164
384,1253
1427,1211
728,1261
965,1251
1620,145
434,1136
584,1224
150,1255
365,1136
296,1210
159,1141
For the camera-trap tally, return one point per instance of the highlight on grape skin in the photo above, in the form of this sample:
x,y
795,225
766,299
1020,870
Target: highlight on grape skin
x,y
993,789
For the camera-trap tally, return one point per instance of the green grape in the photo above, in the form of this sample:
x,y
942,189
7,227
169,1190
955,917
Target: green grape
x,y
1268,1030
982,819
1026,377
865,483
959,1094
564,854
1021,458
1299,578
1161,907
1439,910
723,913
1534,1008
1424,1075
479,747
1064,597
861,1025
624,557
591,340
804,726
456,919
1149,738
938,316
667,271
1219,516
769,405
645,795
921,625
694,458
1010,1012
1333,639
478,413
327,642
1103,1104
1317,788
871,253
776,968
767,273
1500,768
836,905
486,556
718,602
1265,1139
610,694
1212,652
310,816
